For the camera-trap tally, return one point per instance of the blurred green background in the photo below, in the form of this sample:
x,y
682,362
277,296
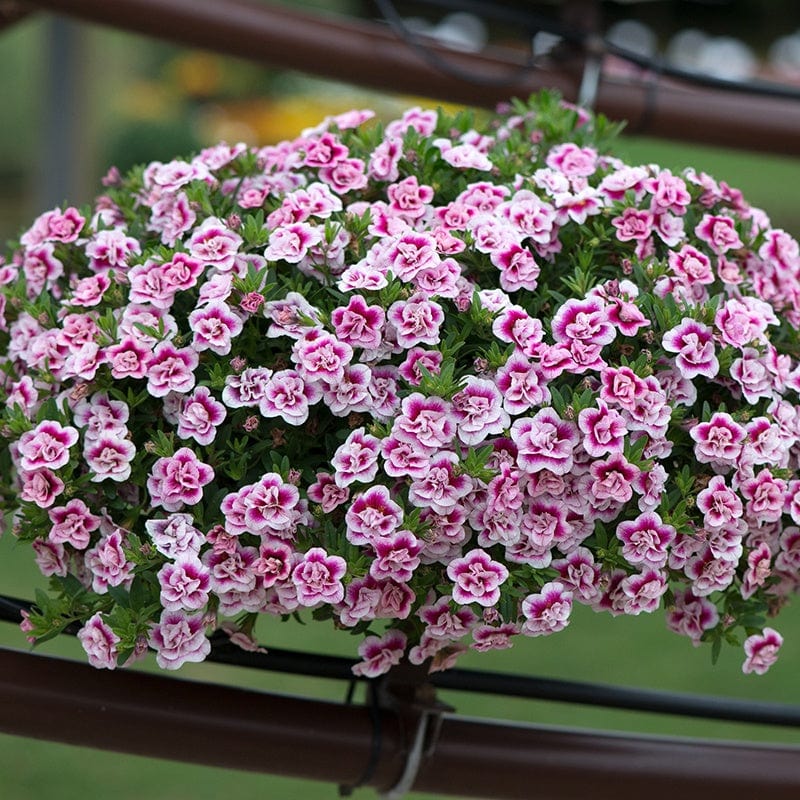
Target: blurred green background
x,y
125,100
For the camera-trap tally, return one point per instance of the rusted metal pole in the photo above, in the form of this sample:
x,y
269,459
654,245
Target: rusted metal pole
x,y
371,55
153,715
12,12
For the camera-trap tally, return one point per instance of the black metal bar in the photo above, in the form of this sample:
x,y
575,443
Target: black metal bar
x,y
501,683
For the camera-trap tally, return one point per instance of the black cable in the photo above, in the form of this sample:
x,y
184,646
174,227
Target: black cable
x,y
417,43
499,683
530,21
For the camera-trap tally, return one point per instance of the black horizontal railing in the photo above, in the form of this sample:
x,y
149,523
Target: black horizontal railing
x,y
499,683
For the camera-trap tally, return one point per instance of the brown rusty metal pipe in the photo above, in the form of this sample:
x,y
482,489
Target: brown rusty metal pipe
x,y
369,54
153,715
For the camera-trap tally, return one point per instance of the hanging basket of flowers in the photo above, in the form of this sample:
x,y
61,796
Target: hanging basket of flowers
x,y
436,381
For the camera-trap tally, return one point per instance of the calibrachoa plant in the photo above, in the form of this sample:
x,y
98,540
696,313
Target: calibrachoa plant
x,y
437,381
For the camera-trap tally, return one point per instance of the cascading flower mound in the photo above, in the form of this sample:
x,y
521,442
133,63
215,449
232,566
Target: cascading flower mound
x,y
437,381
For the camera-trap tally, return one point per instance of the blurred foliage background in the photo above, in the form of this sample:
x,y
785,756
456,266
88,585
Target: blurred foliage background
x,y
78,99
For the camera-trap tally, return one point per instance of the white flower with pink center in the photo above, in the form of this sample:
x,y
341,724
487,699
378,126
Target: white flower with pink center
x,y
107,563
396,556
443,623
644,591
372,514
442,486
530,216
572,160
51,558
579,573
288,395
765,495
603,429
41,487
146,325
54,226
184,585
693,341
247,388
545,441
291,243
148,285
178,480
416,321
491,637
358,324
231,570
327,492
46,446
214,244
634,225
351,393
99,642
214,326
718,441
719,504
179,638
521,385
274,563
200,416
380,653
270,506
476,578
547,611
441,280
759,568
175,536
753,376
181,272
515,325
171,369
383,161
613,478
691,616
425,422
709,574
478,410
111,248
356,459
73,524
408,198
719,233
739,325
128,359
416,358
320,356
89,291
645,540
109,457
318,578
403,458
761,651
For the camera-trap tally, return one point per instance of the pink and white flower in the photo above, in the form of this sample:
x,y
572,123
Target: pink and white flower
x,y
99,642
761,651
46,446
547,611
200,416
380,653
179,638
178,480
318,578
